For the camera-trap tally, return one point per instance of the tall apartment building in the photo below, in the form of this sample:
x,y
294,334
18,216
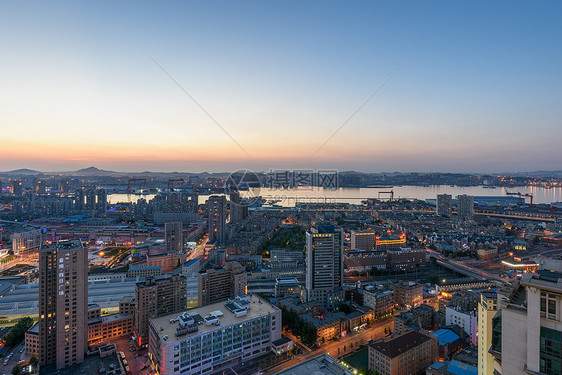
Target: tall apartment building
x,y
157,296
487,308
444,206
173,236
216,208
467,320
206,339
363,240
101,203
238,209
63,303
17,187
324,265
191,272
220,284
531,332
465,207
409,353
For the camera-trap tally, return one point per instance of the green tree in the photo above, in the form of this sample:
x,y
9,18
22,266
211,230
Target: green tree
x,y
17,333
16,370
33,360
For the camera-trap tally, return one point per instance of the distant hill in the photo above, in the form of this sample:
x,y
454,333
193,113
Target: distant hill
x,y
93,171
22,171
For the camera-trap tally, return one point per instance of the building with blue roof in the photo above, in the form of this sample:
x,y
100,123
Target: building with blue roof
x,y
450,340
451,368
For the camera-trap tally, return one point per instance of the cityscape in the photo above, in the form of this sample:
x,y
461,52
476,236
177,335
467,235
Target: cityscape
x,y
244,188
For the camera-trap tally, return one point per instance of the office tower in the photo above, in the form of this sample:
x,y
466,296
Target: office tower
x,y
238,210
173,236
220,284
531,333
465,206
324,265
363,240
79,199
17,187
208,339
444,205
157,296
191,272
487,308
90,199
216,207
63,303
101,204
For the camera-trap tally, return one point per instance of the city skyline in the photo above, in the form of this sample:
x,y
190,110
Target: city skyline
x,y
457,87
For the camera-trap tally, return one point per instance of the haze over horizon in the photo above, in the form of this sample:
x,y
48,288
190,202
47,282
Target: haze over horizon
x,y
481,91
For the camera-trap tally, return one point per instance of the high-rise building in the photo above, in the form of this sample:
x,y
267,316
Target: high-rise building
x,y
220,284
63,303
79,199
238,209
40,187
531,334
465,207
211,338
101,204
90,199
324,265
216,208
173,236
17,187
157,296
191,272
487,308
444,206
363,240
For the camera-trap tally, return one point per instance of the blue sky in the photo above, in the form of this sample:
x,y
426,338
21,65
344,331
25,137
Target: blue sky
x,y
482,90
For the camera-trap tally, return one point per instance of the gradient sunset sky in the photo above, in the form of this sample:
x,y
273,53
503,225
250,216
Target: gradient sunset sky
x,y
481,90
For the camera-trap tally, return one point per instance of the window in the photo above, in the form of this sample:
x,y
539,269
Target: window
x,y
548,305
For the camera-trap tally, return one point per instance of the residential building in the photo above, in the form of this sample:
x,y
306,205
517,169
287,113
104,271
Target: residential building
x,y
487,308
467,320
465,207
444,207
63,303
216,285
213,337
324,265
531,333
409,353
407,293
173,236
144,271
191,272
216,208
157,296
380,301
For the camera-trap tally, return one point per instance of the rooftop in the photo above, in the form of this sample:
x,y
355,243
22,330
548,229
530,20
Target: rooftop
x,y
225,312
319,365
400,344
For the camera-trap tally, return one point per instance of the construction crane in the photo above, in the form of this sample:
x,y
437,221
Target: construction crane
x,y
527,196
172,181
391,193
129,191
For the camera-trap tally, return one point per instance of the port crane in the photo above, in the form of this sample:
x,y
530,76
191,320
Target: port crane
x,y
129,191
172,181
390,193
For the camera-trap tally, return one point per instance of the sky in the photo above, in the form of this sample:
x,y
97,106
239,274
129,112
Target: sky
x,y
413,86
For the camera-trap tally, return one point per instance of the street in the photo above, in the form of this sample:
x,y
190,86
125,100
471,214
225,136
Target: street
x,y
331,348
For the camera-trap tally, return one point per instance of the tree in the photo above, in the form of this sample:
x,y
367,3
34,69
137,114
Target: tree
x,y
33,360
17,333
16,370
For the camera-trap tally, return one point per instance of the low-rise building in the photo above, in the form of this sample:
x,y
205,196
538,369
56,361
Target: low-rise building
x,y
409,353
321,364
380,301
407,293
467,320
144,271
209,338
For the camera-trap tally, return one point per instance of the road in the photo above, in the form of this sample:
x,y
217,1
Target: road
x,y
16,357
459,267
199,250
331,348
